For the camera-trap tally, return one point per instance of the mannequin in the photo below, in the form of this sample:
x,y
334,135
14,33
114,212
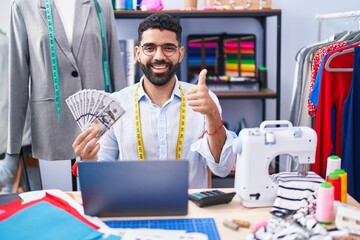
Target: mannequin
x,y
8,165
80,66
66,9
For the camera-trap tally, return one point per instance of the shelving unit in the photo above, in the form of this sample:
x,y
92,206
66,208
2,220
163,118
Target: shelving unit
x,y
261,16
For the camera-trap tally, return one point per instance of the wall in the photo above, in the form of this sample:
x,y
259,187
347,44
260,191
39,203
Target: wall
x,y
299,28
4,15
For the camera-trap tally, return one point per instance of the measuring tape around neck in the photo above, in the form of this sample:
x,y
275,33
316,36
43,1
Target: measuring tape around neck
x,y
181,131
54,61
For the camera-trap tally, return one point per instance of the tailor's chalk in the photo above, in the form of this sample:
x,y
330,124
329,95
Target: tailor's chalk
x,y
241,223
256,226
230,225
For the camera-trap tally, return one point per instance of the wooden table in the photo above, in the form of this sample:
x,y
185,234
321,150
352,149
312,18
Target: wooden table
x,y
232,210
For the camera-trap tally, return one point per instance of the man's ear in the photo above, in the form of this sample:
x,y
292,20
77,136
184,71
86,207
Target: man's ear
x,y
137,53
181,53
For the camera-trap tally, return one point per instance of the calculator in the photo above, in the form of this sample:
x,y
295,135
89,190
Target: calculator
x,y
212,197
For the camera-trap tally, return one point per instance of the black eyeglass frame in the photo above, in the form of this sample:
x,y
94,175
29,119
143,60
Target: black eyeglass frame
x,y
162,49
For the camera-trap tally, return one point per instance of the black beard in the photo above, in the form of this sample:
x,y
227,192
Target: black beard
x,y
162,78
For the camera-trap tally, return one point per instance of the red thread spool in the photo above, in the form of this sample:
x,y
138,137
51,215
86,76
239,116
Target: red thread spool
x,y
335,180
343,177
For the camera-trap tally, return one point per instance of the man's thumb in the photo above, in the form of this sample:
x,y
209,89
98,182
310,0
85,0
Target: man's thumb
x,y
202,77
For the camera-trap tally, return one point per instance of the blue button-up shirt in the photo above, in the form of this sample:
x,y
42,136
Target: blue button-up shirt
x,y
160,133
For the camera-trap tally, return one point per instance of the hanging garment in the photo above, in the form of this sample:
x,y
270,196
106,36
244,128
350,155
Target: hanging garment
x,y
79,67
350,154
298,110
297,85
334,89
315,68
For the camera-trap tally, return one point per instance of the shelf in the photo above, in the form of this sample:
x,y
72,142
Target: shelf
x,y
200,13
261,16
257,95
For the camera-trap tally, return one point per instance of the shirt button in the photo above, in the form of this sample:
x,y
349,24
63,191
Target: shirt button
x,y
74,74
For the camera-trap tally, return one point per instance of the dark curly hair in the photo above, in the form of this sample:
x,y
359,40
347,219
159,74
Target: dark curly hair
x,y
160,21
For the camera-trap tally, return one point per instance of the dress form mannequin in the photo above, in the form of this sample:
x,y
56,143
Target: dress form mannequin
x,y
80,66
66,9
53,171
8,165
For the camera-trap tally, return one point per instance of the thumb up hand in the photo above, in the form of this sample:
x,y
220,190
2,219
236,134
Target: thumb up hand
x,y
198,96
202,78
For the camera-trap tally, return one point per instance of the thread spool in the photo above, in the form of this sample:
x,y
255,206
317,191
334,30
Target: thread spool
x,y
262,76
343,177
241,223
335,180
230,225
256,226
333,162
325,204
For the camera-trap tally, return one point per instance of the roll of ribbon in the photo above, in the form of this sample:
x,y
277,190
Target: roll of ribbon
x,y
333,162
325,204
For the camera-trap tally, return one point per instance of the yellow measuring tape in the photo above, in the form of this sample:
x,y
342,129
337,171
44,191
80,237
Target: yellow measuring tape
x,y
181,133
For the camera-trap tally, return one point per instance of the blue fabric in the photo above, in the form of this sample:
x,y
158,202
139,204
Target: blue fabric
x,y
350,143
315,94
45,221
356,121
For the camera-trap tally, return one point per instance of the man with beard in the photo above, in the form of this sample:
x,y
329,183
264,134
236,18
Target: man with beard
x,y
164,118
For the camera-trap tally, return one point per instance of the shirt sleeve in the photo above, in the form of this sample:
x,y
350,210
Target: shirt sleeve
x,y
227,157
109,148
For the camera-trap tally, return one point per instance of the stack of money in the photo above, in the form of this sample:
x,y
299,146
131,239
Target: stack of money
x,y
94,108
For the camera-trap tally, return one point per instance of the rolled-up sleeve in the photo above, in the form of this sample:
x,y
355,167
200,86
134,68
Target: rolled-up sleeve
x,y
227,157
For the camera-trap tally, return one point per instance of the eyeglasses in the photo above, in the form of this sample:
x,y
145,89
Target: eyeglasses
x,y
167,49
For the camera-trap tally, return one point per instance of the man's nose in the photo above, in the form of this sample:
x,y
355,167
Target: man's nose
x,y
159,53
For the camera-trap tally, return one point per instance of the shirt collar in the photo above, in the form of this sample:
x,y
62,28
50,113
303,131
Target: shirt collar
x,y
142,93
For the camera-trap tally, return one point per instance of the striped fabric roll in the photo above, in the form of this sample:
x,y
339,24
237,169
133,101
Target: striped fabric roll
x,y
295,190
294,209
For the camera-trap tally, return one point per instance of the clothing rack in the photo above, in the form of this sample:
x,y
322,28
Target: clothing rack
x,y
321,17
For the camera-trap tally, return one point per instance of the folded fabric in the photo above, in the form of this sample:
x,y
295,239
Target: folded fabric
x,y
43,220
13,207
295,190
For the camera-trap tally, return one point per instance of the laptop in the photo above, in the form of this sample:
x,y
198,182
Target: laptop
x,y
134,188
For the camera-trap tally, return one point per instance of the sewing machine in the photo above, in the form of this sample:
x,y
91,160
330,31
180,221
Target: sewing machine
x,y
257,147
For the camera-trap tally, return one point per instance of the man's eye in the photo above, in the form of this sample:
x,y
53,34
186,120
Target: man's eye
x,y
149,48
169,48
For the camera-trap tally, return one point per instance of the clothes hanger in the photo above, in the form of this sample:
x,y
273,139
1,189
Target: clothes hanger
x,y
334,55
352,37
355,39
339,35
